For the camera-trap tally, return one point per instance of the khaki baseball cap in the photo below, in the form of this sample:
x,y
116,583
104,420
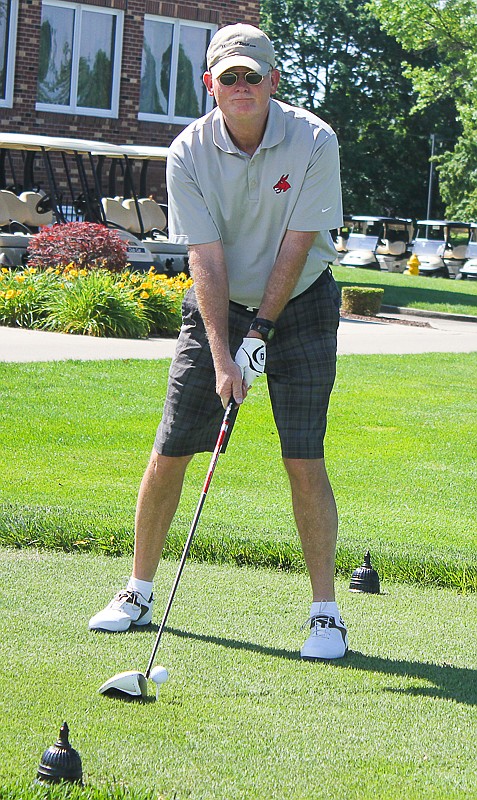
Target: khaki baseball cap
x,y
240,46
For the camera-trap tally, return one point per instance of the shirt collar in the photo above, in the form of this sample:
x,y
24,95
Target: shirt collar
x,y
274,130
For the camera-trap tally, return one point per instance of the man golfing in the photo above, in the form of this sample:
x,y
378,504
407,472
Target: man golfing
x,y
253,190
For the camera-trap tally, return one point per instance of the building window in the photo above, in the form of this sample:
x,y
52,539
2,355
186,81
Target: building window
x,y
173,62
8,35
80,59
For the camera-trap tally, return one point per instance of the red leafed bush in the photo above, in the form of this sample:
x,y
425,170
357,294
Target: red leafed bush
x,y
83,244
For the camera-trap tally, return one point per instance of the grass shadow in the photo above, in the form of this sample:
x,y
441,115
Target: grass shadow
x,y
237,644
449,682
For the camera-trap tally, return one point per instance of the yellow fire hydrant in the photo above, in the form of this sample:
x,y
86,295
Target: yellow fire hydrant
x,y
412,266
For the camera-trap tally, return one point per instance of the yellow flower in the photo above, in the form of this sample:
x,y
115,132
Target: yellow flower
x,y
9,294
144,295
5,270
83,272
19,278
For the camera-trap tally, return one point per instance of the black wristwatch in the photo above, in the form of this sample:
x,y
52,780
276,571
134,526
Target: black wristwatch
x,y
265,327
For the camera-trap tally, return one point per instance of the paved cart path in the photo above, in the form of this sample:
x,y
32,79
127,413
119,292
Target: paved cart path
x,y
355,336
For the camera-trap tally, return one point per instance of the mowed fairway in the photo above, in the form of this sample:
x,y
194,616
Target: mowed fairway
x,y
400,451
241,716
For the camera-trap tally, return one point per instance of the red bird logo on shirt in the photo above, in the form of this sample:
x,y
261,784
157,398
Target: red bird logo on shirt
x,y
282,185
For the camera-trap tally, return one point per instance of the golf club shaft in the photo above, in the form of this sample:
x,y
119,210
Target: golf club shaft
x,y
225,430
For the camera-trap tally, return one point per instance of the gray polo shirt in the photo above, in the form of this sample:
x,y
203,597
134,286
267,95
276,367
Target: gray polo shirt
x,y
218,193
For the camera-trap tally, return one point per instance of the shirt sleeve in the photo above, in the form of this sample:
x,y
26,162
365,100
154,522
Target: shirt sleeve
x,y
319,204
189,220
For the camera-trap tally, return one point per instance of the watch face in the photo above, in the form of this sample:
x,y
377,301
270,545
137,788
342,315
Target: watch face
x,y
267,331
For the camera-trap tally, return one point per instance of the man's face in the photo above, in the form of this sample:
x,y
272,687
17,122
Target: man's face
x,y
242,99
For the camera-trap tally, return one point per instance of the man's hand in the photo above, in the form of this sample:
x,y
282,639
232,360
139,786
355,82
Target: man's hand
x,y
250,357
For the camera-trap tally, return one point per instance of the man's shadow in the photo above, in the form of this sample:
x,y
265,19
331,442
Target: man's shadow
x,y
449,682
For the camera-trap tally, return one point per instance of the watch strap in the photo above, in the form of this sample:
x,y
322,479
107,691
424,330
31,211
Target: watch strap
x,y
265,327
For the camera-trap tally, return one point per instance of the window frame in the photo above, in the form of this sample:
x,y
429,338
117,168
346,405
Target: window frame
x,y
11,43
73,107
176,22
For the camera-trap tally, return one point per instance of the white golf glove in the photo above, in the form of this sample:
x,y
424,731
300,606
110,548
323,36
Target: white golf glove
x,y
250,357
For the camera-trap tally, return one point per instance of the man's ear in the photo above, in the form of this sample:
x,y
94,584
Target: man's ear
x,y
207,78
274,79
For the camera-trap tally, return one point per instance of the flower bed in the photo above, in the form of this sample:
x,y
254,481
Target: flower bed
x,y
96,303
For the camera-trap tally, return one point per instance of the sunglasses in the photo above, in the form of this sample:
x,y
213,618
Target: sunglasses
x,y
231,78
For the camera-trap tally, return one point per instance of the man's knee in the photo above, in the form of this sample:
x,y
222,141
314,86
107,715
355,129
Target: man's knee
x,y
305,469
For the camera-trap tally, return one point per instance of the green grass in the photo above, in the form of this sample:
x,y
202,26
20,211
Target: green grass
x,y
76,437
241,716
430,294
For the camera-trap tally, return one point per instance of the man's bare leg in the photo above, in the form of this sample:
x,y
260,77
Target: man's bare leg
x,y
317,522
316,517
158,498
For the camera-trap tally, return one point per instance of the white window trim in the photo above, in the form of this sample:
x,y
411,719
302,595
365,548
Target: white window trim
x,y
170,118
73,108
7,101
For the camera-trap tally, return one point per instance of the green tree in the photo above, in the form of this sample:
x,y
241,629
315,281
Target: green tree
x,y
54,78
448,28
94,85
149,101
186,98
338,62
187,104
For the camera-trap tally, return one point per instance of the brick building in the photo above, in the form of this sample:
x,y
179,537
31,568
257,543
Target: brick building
x,y
55,50
122,71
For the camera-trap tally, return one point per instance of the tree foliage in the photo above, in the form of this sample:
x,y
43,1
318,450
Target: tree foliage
x,y
449,27
337,61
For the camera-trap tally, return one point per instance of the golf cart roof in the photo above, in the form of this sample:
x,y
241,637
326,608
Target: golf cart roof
x,y
22,141
143,152
364,218
442,222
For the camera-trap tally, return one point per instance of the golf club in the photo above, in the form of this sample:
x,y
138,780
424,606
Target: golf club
x,y
132,683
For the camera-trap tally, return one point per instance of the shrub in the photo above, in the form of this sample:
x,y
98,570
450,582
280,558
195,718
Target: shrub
x,y
23,296
161,298
361,300
96,305
85,245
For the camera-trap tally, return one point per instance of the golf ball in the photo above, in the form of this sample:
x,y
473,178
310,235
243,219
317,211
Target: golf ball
x,y
159,675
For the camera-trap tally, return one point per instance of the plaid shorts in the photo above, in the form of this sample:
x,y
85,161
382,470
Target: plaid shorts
x,y
300,369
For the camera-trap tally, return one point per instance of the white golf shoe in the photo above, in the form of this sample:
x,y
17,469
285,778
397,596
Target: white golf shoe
x,y
126,609
328,637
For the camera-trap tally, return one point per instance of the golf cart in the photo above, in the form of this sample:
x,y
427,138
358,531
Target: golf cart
x,y
53,180
340,238
131,207
469,269
362,242
394,248
441,247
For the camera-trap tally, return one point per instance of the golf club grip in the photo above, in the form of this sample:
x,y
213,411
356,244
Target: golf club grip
x,y
227,421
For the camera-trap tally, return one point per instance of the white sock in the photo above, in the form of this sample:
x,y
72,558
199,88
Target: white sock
x,y
143,587
325,607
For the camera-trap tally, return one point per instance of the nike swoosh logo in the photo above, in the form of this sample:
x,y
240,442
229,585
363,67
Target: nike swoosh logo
x,y
325,209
